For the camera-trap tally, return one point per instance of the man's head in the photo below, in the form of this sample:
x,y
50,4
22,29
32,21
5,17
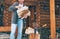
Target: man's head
x,y
20,1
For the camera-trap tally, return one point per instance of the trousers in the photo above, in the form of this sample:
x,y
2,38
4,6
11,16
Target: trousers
x,y
13,29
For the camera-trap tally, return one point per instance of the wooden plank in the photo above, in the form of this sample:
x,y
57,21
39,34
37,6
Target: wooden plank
x,y
5,29
52,19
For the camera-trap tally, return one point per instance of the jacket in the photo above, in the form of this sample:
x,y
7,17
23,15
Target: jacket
x,y
14,14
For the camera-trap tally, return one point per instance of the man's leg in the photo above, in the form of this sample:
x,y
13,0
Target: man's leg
x,y
13,29
20,28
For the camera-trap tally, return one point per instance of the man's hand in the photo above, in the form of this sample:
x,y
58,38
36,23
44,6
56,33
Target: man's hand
x,y
17,7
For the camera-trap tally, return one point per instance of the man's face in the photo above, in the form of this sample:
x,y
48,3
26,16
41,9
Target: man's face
x,y
21,1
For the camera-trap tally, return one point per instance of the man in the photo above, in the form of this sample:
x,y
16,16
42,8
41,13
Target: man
x,y
44,32
16,22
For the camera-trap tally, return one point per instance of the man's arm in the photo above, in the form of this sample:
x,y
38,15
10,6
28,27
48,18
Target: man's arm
x,y
12,7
